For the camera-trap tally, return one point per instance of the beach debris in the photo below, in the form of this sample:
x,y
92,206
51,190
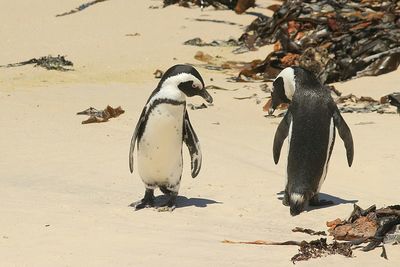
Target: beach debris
x,y
307,250
158,74
337,40
132,34
48,62
353,104
372,225
364,104
199,42
320,248
264,242
218,62
308,231
80,8
246,97
97,116
214,87
239,6
393,99
194,107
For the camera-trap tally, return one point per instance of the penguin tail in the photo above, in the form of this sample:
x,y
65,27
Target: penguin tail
x,y
296,201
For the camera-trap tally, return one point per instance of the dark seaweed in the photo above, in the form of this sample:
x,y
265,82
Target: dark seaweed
x,y
48,62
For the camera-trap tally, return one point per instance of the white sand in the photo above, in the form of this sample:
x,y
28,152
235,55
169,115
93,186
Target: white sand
x,y
65,187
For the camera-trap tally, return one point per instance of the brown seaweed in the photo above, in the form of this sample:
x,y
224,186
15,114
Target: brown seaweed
x,y
338,40
97,116
80,8
307,250
308,231
199,42
371,225
239,6
320,248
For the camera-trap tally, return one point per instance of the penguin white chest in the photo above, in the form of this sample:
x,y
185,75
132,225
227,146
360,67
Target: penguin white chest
x,y
160,147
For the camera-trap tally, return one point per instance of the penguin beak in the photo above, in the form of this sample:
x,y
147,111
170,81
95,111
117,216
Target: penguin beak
x,y
207,97
270,111
269,107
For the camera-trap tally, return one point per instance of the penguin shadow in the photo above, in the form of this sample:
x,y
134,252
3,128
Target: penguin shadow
x,y
182,201
322,196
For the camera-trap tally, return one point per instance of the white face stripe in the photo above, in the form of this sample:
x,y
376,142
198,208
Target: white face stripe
x,y
330,141
289,83
181,78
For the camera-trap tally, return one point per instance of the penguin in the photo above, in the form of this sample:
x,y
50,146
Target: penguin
x,y
162,128
309,124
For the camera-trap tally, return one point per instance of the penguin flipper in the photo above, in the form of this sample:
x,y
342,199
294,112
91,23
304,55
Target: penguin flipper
x,y
192,142
345,134
280,135
134,137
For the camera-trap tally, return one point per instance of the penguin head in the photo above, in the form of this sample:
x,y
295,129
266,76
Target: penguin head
x,y
187,79
283,88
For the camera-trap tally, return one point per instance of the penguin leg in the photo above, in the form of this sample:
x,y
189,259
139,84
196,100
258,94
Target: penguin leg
x,y
169,205
146,202
315,201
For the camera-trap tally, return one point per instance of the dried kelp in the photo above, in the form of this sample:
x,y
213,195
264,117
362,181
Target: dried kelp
x,y
353,104
308,231
307,250
371,225
319,248
239,6
80,8
393,99
199,42
48,62
336,39
194,107
218,63
104,115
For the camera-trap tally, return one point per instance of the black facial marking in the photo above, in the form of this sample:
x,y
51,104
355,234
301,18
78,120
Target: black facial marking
x,y
188,89
278,94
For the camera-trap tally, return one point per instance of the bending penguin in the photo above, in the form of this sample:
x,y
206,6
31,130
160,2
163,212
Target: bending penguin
x,y
162,128
309,125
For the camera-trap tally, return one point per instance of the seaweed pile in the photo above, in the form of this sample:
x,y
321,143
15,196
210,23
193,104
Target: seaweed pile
x,y
319,248
239,6
338,40
97,116
372,225
365,104
48,62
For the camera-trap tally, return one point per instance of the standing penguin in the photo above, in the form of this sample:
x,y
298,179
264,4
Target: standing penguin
x,y
162,128
310,124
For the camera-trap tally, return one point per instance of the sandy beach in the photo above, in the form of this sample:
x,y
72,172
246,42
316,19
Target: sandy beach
x,y
65,187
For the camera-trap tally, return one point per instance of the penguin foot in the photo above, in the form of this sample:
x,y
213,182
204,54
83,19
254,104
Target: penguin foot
x,y
170,204
316,202
138,205
146,202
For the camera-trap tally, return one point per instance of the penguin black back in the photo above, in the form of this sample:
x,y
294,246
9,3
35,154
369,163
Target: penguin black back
x,y
310,124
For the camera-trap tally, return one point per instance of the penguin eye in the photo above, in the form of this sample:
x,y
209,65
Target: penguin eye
x,y
195,86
